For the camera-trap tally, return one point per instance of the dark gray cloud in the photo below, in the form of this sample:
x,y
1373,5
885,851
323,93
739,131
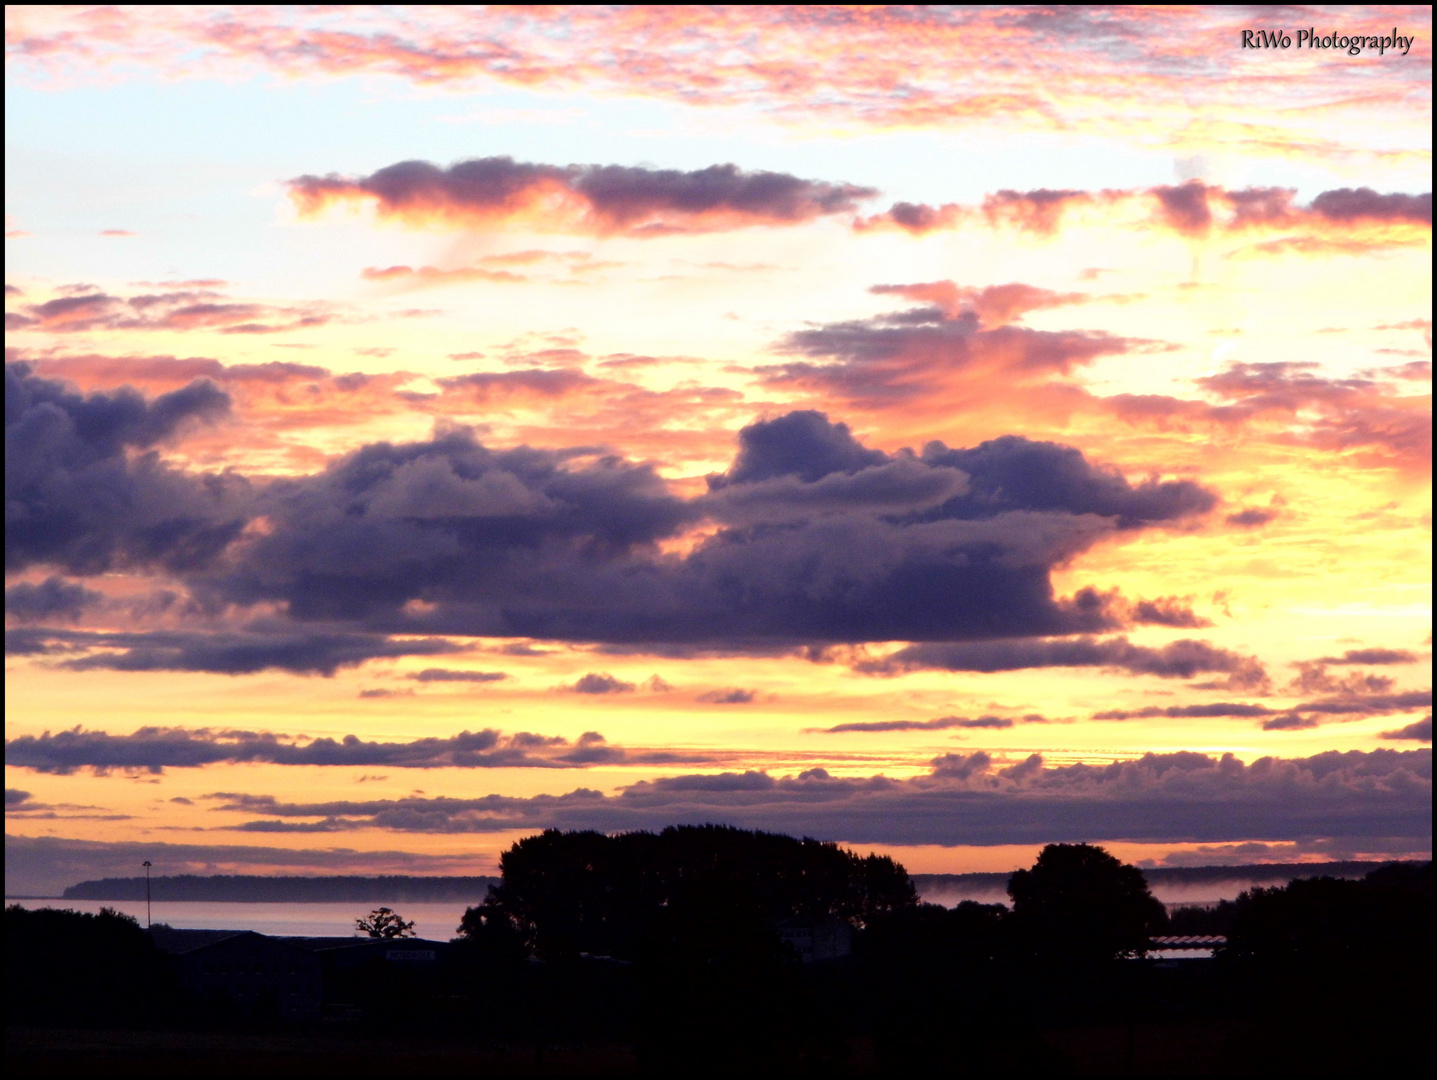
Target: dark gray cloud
x,y
1176,660
732,695
1371,656
1355,204
828,541
154,749
78,495
1251,518
821,539
435,674
612,198
600,682
1179,797
219,652
53,598
14,796
941,723
1420,731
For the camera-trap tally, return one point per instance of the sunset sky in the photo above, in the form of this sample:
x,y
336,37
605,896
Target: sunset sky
x,y
941,431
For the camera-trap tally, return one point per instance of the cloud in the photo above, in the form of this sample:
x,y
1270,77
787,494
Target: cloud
x,y
1251,518
1214,708
524,543
1364,419
430,275
1419,730
217,652
154,749
821,539
1176,797
1192,209
53,598
600,682
1177,660
450,675
942,723
1364,204
1290,722
178,310
85,491
730,696
922,352
1371,656
592,199
994,305
14,796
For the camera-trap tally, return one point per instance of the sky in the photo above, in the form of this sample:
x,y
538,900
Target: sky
x,y
938,430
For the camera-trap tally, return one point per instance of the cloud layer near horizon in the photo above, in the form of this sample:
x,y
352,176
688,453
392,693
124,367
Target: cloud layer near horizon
x,y
964,800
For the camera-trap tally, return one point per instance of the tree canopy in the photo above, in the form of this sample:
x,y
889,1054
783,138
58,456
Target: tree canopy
x,y
571,892
1080,904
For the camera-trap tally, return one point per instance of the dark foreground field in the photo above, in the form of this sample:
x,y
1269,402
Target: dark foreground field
x,y
1171,1049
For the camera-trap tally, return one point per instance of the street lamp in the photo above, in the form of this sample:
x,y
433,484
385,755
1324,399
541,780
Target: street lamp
x,y
146,865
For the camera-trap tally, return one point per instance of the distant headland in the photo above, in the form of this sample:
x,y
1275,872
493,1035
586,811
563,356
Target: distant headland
x,y
258,889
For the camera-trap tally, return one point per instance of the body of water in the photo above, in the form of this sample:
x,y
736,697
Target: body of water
x,y
439,922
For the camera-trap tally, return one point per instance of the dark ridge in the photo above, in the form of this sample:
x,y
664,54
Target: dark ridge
x,y
1257,873
254,888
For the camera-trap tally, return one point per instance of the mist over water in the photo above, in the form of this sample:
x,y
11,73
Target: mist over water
x,y
951,893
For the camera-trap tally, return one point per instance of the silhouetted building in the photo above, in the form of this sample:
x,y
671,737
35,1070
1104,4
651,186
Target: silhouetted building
x,y
817,939
296,976
252,970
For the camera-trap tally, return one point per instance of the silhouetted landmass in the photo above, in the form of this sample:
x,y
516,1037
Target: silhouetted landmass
x,y
703,951
253,888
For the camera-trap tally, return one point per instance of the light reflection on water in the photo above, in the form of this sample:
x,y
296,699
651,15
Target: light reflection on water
x,y
438,922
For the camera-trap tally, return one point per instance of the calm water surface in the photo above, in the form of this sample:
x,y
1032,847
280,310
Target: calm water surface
x,y
436,921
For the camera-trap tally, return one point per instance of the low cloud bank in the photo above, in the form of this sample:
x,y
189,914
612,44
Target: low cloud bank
x,y
965,800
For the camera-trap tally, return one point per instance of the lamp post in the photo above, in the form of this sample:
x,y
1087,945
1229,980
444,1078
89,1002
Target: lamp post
x,y
147,893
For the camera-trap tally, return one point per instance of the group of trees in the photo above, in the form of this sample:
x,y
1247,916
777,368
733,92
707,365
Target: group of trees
x,y
563,894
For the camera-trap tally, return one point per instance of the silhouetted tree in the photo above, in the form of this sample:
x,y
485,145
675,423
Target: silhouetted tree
x,y
384,923
1080,905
